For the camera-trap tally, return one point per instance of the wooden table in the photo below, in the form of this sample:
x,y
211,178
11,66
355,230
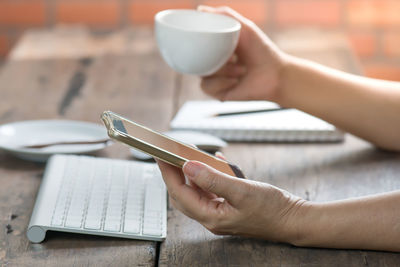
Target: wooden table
x,y
70,74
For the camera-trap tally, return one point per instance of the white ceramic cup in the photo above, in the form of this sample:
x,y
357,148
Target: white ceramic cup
x,y
195,42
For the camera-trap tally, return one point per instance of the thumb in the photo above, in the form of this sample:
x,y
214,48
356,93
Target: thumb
x,y
214,181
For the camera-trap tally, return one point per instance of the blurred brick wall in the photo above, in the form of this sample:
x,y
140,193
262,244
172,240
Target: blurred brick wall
x,y
372,26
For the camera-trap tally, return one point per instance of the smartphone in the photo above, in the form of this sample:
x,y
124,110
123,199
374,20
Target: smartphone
x,y
161,146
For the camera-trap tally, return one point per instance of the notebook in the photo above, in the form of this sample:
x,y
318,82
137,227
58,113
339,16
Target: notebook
x,y
287,125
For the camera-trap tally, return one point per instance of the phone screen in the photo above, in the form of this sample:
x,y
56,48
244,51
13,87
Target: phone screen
x,y
160,141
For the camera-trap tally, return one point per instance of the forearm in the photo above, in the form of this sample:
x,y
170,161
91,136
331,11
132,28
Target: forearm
x,y
365,223
367,108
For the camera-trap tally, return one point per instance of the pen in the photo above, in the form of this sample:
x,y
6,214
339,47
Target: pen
x,y
247,112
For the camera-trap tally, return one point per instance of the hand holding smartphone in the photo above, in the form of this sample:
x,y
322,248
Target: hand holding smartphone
x,y
161,146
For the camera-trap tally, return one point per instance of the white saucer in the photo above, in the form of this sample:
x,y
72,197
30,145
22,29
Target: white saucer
x,y
15,135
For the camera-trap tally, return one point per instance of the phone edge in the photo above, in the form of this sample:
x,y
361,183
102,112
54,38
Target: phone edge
x,y
142,146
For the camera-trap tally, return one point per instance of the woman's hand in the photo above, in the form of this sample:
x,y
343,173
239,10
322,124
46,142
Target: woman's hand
x,y
253,73
227,205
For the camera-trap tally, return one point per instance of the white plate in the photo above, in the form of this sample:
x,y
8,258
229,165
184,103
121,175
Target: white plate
x,y
15,135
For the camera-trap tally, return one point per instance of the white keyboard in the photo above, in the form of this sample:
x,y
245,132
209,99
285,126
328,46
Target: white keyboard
x,y
100,196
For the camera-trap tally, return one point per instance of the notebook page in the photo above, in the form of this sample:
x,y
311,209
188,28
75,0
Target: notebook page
x,y
288,124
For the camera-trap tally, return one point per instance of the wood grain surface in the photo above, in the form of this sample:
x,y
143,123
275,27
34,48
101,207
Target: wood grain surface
x,y
133,84
123,72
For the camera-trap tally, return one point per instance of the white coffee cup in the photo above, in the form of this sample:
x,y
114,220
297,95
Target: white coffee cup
x,y
195,42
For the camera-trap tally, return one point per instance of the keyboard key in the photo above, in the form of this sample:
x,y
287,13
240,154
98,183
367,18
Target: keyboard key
x,y
112,226
57,221
152,223
132,226
152,214
113,218
135,212
94,224
73,221
152,231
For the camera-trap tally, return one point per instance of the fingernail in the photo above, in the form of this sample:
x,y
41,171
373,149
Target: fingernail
x,y
191,169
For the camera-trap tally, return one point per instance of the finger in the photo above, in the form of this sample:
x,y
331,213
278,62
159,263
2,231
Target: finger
x,y
234,93
239,92
186,199
201,192
214,85
182,180
177,205
249,32
214,181
233,58
231,70
223,10
226,11
211,206
175,176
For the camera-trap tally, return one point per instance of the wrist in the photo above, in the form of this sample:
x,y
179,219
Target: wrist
x,y
302,223
300,83
286,66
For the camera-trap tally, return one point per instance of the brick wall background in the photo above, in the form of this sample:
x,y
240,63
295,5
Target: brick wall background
x,y
372,26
